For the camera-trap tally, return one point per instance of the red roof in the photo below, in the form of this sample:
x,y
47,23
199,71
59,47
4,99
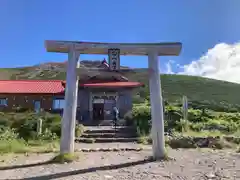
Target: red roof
x,y
31,86
51,86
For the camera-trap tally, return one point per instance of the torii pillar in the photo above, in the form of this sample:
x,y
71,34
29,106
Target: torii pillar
x,y
156,101
152,50
71,94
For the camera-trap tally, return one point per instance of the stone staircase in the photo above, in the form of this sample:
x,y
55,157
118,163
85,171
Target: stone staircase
x,y
108,134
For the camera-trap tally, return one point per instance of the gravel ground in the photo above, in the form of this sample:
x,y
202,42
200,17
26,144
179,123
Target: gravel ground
x,y
188,164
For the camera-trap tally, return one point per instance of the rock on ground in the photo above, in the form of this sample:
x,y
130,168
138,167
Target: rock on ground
x,y
188,164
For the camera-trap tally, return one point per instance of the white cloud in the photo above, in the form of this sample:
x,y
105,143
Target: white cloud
x,y
222,62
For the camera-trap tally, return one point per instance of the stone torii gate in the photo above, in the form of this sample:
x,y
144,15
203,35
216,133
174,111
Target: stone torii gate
x,y
114,50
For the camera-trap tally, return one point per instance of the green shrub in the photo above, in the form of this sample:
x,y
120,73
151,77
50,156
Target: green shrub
x,y
138,99
194,115
52,122
28,128
25,124
184,125
173,118
235,117
5,122
142,119
173,113
221,125
196,126
55,129
198,120
47,135
8,134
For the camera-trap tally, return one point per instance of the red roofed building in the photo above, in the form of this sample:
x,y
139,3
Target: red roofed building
x,y
97,96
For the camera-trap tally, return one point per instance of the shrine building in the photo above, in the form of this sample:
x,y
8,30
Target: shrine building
x,y
99,91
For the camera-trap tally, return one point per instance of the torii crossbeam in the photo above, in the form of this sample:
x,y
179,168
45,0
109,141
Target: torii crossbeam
x,y
114,50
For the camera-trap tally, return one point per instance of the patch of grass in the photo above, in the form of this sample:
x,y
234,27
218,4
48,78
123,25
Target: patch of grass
x,y
65,158
143,140
203,133
13,146
43,146
90,140
79,130
21,146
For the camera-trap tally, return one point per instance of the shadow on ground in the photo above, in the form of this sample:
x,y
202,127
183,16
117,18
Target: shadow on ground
x,y
81,171
24,166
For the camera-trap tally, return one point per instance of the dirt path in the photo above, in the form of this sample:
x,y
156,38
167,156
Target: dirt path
x,y
188,164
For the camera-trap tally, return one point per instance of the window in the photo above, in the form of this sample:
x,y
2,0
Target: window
x,y
58,103
3,101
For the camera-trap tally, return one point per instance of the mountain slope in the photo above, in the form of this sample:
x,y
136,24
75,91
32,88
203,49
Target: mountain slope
x,y
213,94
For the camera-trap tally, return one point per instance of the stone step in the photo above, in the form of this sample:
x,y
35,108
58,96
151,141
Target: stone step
x,y
109,149
109,130
109,135
102,123
111,123
104,140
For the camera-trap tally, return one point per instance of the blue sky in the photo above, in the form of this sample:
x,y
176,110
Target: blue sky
x,y
199,25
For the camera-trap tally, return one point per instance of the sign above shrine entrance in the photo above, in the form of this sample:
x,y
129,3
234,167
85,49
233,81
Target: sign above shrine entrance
x,y
139,49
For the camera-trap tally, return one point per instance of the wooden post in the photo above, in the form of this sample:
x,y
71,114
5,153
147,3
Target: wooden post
x,y
185,108
156,106
184,121
69,113
39,126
